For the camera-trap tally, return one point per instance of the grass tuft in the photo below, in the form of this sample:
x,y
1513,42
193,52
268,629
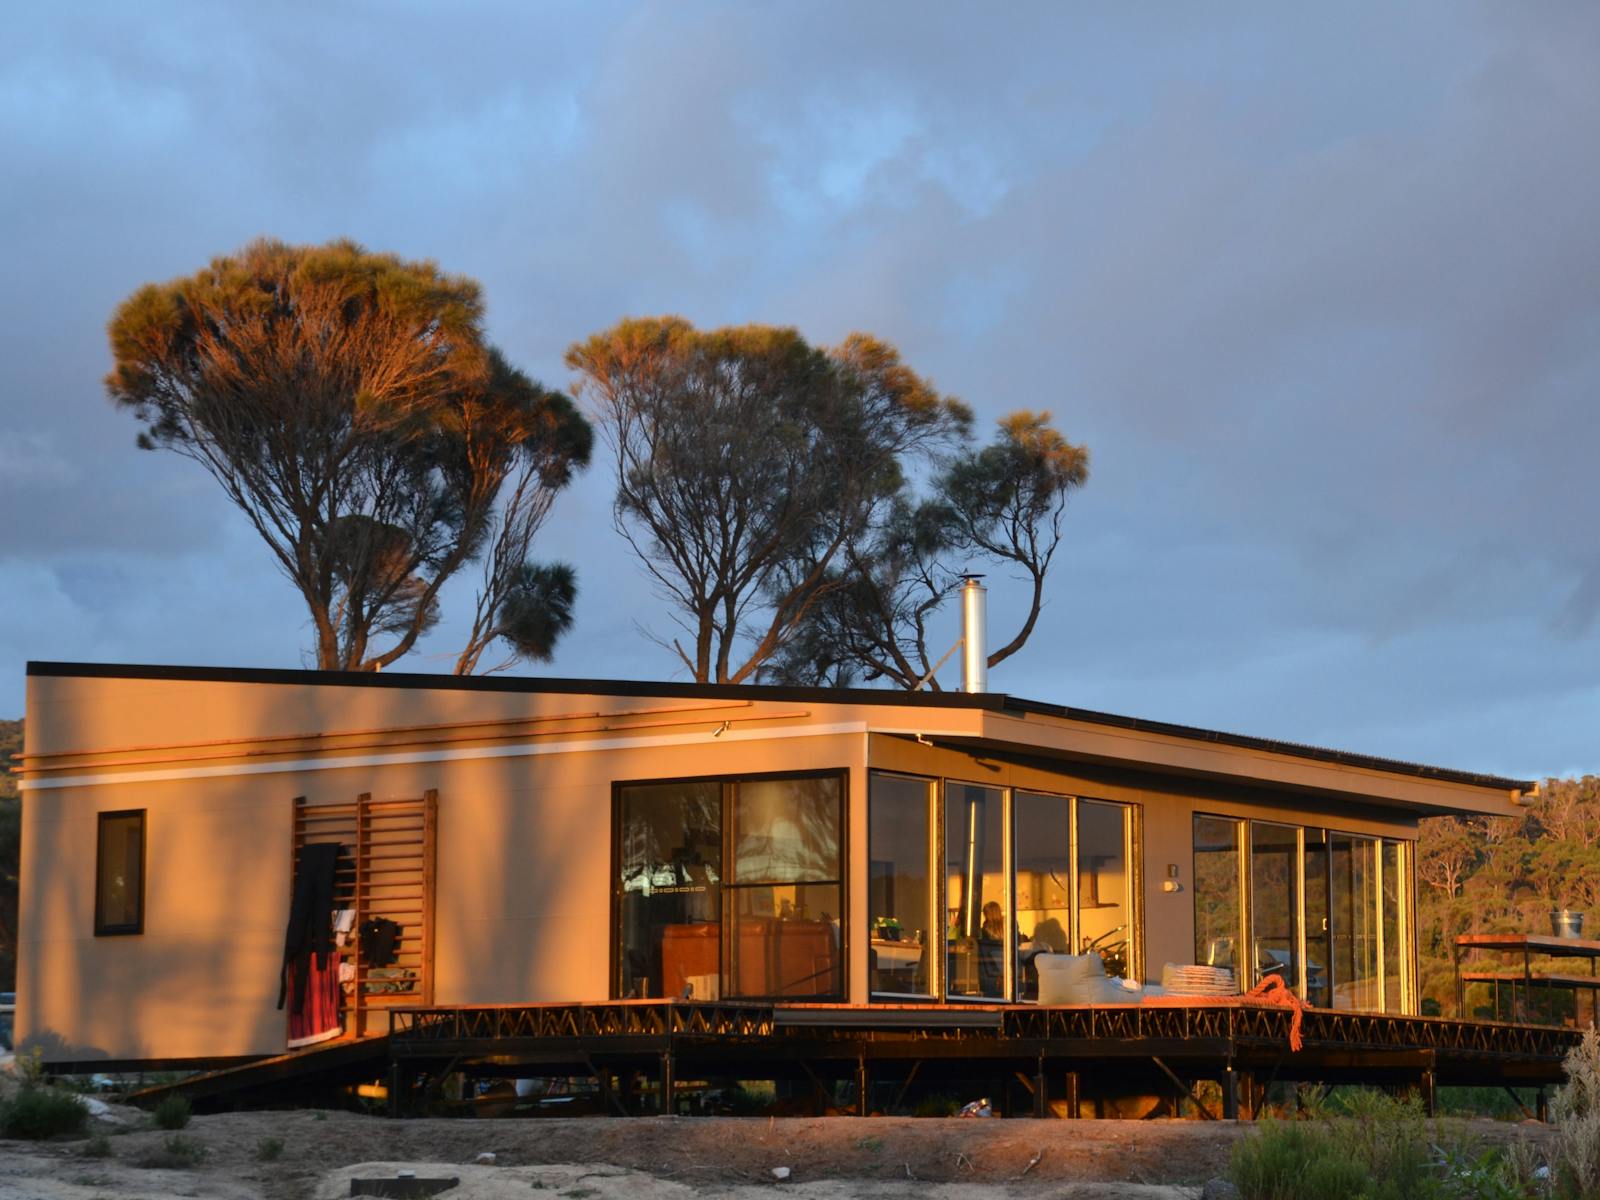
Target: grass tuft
x,y
37,1113
174,1112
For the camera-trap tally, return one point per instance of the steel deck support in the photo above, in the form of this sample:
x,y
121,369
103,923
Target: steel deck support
x,y
1238,1045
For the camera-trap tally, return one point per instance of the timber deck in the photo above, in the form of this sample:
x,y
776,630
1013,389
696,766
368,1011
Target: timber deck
x,y
1051,1052
643,1055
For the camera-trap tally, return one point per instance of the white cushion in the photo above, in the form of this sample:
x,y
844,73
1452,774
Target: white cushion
x,y
1079,979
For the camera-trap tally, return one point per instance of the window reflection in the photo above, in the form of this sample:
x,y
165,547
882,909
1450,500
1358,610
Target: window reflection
x,y
1393,891
786,830
670,877
1354,907
783,891
1105,894
1043,839
899,885
1274,904
1319,978
977,933
119,873
1218,892
785,888
1353,892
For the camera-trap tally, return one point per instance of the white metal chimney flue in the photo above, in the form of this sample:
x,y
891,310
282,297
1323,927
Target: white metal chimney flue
x,y
974,635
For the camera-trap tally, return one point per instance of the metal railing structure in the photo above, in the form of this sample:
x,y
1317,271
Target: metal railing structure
x,y
1064,1051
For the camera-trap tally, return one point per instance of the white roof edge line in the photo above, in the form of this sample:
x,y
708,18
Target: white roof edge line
x,y
524,750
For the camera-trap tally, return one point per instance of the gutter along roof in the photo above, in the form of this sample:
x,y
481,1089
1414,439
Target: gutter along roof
x,y
997,703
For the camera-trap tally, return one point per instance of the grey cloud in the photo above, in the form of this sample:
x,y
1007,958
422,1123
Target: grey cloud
x,y
1318,287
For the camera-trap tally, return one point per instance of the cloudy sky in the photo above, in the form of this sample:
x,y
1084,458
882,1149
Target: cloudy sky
x,y
1319,286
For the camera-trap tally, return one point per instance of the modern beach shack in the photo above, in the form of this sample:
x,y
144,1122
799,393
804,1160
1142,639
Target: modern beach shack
x,y
500,840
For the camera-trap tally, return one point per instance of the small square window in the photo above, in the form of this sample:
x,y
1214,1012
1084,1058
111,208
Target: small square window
x,y
119,873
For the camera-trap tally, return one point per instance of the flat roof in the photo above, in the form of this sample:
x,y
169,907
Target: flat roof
x,y
989,701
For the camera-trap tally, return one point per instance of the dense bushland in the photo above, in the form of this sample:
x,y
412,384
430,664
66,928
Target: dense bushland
x,y
1505,875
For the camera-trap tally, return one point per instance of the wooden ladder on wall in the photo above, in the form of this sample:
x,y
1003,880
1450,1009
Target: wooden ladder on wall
x,y
386,870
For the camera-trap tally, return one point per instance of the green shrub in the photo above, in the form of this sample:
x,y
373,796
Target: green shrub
x,y
936,1105
99,1146
1389,1139
1484,1102
746,1098
29,1066
269,1149
174,1112
36,1113
1378,1148
1296,1160
177,1153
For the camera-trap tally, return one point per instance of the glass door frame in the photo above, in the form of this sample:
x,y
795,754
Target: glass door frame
x,y
938,966
933,847
1405,912
1008,944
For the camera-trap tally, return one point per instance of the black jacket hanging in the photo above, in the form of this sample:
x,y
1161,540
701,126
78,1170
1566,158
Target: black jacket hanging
x,y
379,939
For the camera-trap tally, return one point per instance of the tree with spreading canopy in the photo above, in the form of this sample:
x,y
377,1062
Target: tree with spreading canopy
x,y
768,488
350,406
998,507
746,461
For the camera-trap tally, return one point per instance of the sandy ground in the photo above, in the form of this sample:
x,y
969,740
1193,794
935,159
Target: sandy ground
x,y
659,1158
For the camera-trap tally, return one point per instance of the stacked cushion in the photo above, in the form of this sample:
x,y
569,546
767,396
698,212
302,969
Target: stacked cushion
x,y
1079,979
1181,980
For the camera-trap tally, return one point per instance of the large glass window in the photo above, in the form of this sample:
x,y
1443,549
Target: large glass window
x,y
978,933
1328,912
785,888
1023,874
1218,891
1319,976
1354,893
768,926
1105,884
1043,839
1394,904
1275,902
670,880
119,873
900,899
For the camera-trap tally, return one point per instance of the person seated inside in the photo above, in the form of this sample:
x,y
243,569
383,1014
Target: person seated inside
x,y
991,950
1049,937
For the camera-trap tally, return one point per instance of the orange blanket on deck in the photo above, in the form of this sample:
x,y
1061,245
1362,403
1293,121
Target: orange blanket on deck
x,y
1271,992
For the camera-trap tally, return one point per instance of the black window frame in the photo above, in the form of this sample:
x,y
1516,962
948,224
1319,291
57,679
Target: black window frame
x,y
101,927
729,784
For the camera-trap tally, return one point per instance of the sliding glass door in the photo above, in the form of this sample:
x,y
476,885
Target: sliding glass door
x,y
1043,835
1018,874
901,916
1354,921
1326,912
1275,902
1104,890
1219,890
977,900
